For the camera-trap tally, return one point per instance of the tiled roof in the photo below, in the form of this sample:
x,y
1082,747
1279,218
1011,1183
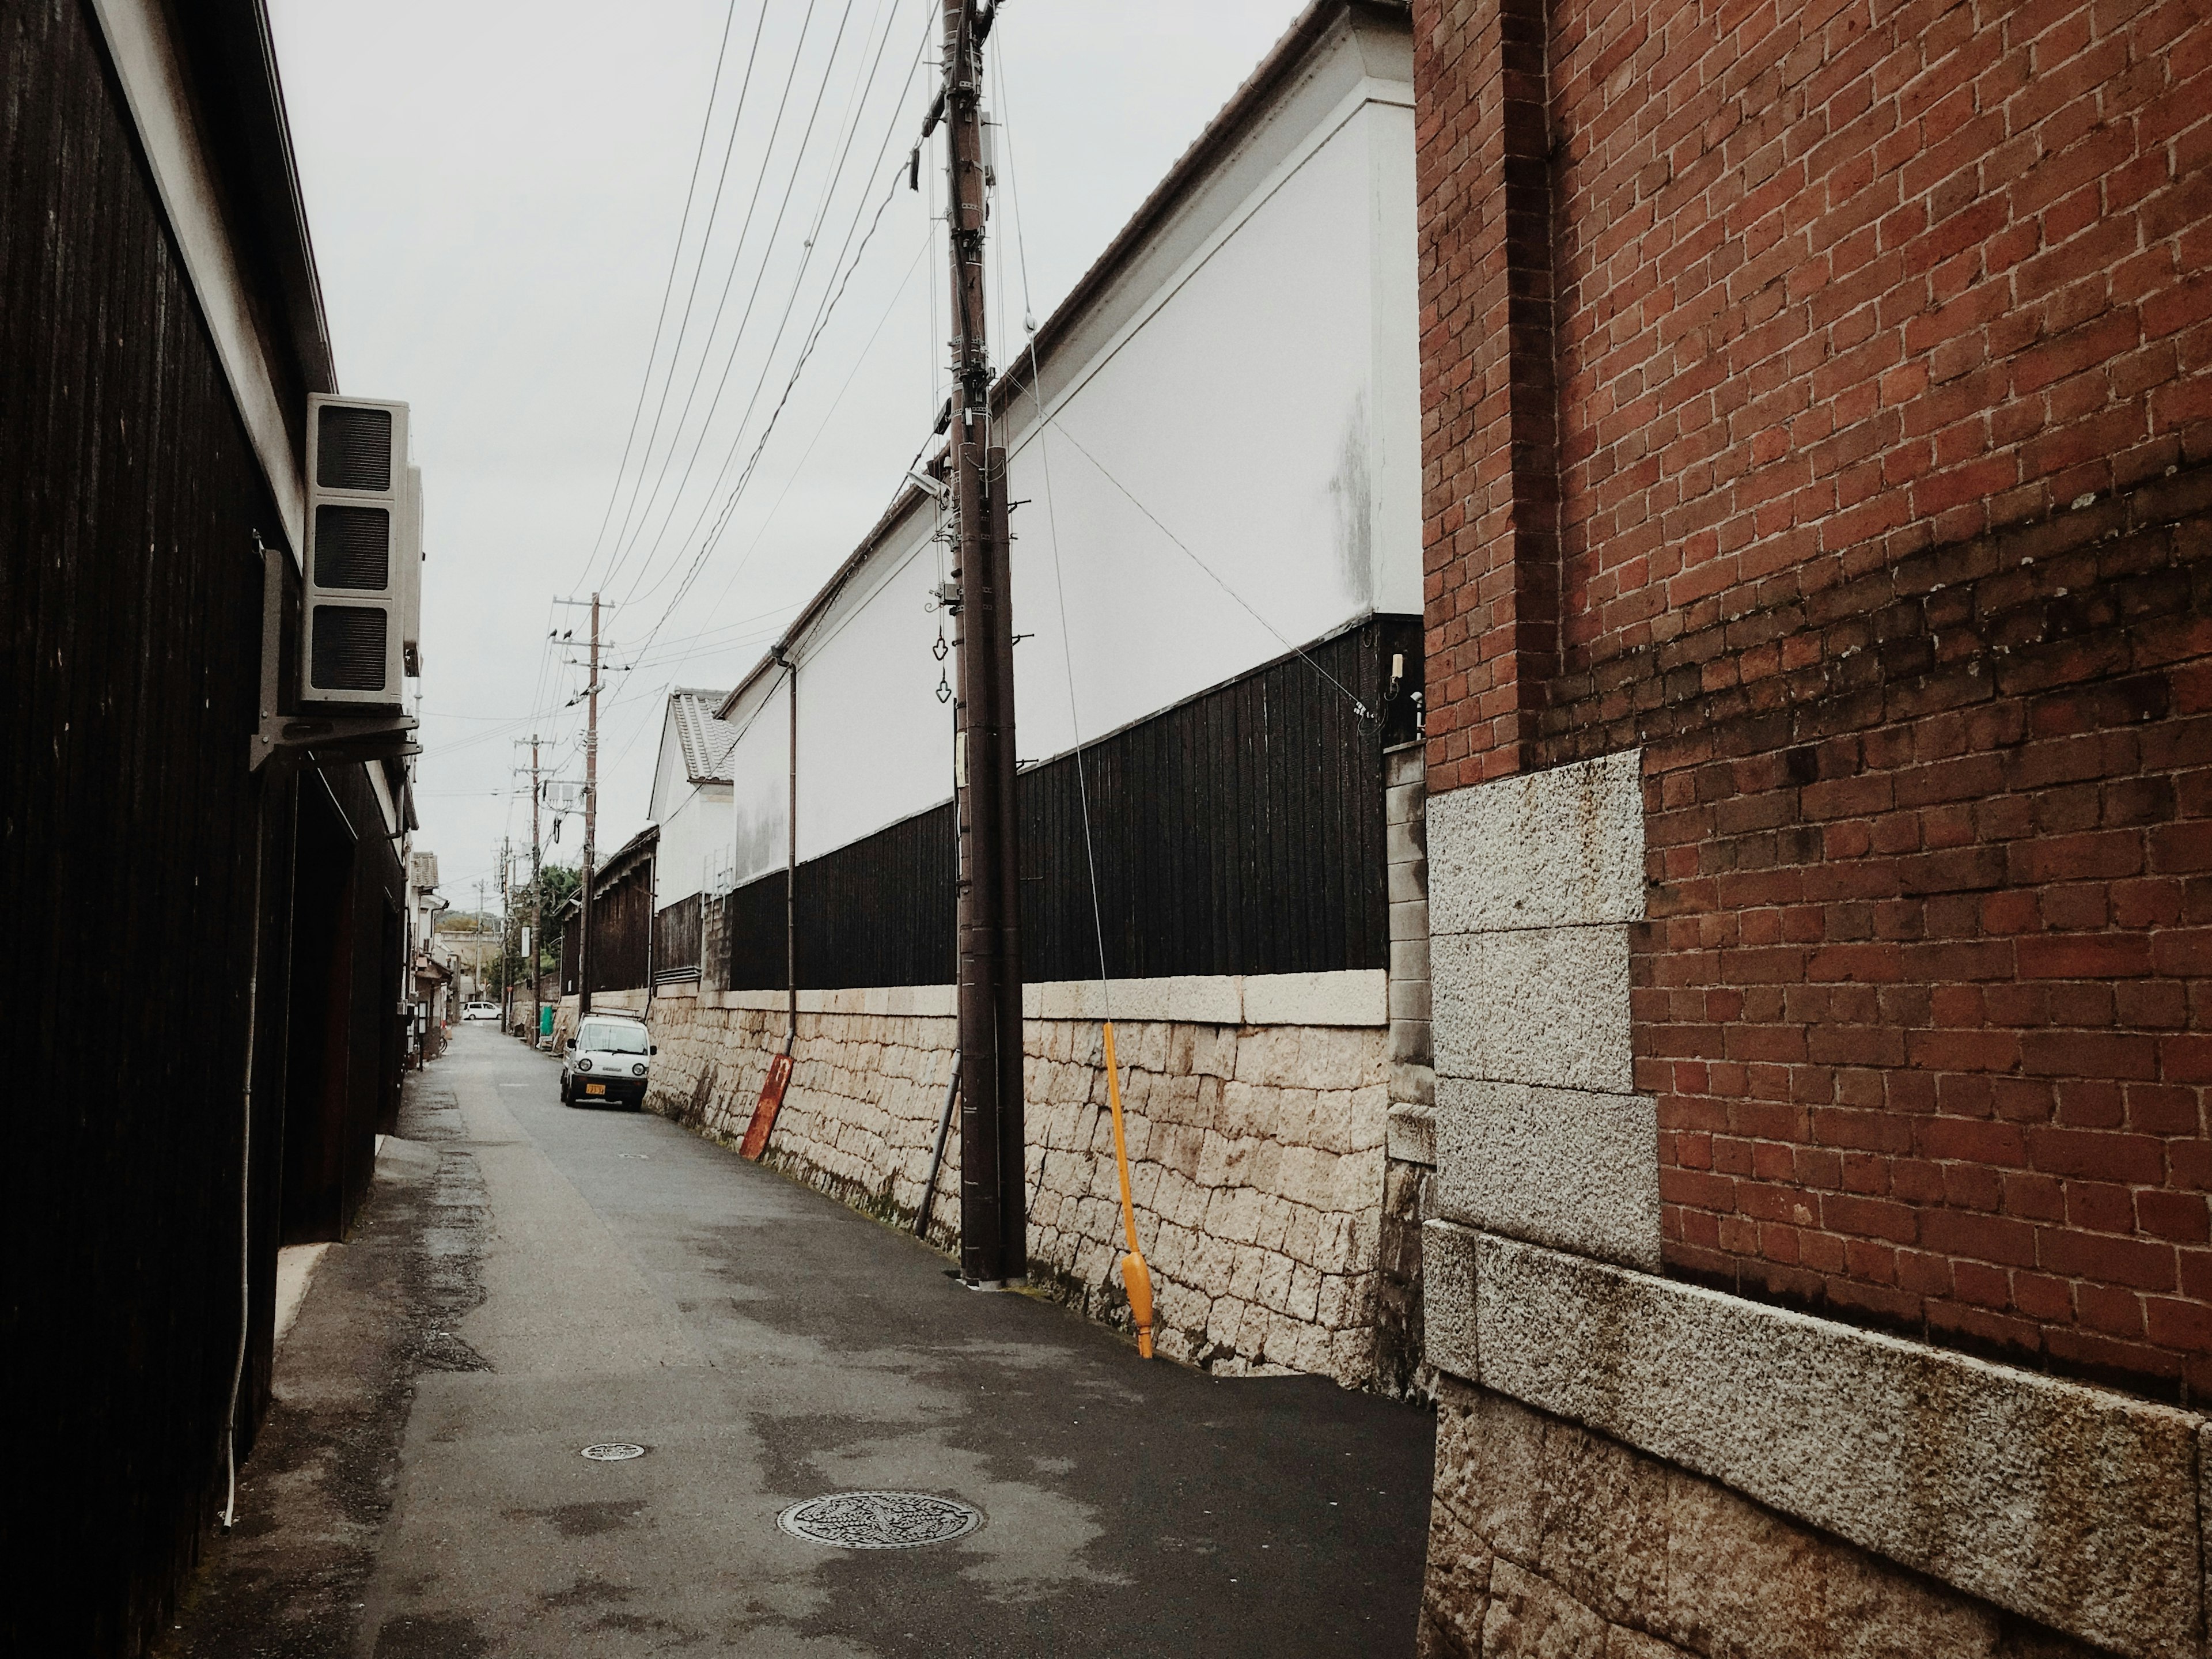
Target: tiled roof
x,y
706,739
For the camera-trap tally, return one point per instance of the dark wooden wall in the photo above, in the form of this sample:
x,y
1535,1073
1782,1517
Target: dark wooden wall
x,y
1239,832
133,845
622,933
676,941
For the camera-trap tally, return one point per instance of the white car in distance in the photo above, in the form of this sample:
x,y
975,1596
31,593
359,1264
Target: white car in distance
x,y
607,1060
480,1011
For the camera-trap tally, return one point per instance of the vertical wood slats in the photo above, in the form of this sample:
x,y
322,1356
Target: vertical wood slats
x,y
1239,832
676,941
130,832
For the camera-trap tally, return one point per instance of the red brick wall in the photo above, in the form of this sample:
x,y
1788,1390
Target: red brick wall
x,y
1847,306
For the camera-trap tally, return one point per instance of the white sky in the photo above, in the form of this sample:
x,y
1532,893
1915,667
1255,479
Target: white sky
x,y
495,192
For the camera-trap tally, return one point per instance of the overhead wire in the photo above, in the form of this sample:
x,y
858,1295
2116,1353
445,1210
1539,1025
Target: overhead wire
x,y
859,363
1052,533
824,312
752,296
676,257
832,291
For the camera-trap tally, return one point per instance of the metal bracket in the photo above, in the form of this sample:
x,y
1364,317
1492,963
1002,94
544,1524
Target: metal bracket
x,y
315,741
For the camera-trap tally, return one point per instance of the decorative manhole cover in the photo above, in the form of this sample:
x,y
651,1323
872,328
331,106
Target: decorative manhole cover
x,y
613,1451
880,1520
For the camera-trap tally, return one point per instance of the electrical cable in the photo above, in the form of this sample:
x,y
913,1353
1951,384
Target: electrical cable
x,y
760,276
1359,707
832,294
713,535
1136,1277
1052,531
676,258
859,363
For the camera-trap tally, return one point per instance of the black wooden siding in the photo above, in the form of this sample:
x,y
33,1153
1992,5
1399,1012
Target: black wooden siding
x,y
622,932
1239,832
130,833
676,941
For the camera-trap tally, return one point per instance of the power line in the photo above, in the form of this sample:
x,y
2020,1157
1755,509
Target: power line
x,y
897,294
768,360
676,254
1052,531
1059,427
627,544
823,313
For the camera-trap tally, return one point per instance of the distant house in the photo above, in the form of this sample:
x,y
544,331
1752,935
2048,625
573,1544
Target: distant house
x,y
691,805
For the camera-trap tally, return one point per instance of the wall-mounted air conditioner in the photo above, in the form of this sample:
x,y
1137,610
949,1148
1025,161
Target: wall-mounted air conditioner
x,y
410,609
363,518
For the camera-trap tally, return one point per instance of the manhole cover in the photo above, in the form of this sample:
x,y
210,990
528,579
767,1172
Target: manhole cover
x,y
613,1451
880,1520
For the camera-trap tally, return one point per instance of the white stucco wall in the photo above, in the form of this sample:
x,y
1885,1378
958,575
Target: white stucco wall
x,y
759,771
1251,377
694,834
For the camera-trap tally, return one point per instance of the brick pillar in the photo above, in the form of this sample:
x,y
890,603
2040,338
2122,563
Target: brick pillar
x,y
1489,386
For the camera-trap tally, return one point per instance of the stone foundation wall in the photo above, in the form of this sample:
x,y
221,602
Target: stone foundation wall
x,y
1255,1142
1547,1538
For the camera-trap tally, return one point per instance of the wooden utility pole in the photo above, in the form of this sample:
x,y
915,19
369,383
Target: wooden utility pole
x,y
537,895
993,1197
506,938
591,822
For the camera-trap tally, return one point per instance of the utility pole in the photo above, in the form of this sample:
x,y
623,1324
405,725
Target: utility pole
x,y
476,923
537,895
506,940
993,1197
591,821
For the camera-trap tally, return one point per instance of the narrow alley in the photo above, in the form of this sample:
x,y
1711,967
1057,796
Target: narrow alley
x,y
528,1281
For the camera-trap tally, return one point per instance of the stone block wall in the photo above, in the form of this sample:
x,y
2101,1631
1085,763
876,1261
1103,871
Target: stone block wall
x,y
1411,1143
1256,1147
1548,1539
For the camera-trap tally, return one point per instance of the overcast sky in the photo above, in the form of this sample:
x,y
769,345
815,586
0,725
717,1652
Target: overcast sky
x,y
495,193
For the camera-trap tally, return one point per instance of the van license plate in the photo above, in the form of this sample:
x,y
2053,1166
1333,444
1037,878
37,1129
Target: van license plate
x,y
595,1088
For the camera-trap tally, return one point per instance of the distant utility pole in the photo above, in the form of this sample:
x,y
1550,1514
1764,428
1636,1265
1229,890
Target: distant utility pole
x,y
591,821
537,895
993,1199
591,815
506,939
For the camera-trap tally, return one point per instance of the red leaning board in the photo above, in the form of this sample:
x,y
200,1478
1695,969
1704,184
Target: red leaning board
x,y
771,1102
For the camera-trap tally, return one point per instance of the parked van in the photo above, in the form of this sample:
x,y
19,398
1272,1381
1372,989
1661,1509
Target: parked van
x,y
606,1060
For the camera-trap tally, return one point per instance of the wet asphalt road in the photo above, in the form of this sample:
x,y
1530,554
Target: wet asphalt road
x,y
529,1280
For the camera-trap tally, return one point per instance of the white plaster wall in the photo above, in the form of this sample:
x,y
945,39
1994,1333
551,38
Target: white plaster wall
x,y
670,780
696,830
1252,378
875,745
1252,415
759,768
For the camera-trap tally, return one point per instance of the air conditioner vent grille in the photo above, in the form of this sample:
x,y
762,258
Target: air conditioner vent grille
x,y
346,648
353,547
353,447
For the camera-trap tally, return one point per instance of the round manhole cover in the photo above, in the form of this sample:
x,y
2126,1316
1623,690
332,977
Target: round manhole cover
x,y
880,1520
613,1451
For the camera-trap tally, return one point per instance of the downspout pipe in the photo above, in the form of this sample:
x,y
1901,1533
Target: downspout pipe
x,y
791,860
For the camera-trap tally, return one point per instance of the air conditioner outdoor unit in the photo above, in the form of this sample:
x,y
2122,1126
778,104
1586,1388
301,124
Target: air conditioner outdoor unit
x,y
363,520
410,609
